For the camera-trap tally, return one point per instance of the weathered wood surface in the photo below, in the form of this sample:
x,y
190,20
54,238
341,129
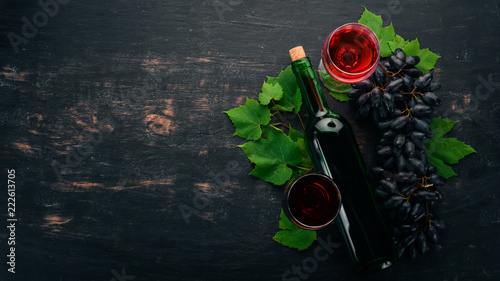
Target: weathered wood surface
x,y
111,115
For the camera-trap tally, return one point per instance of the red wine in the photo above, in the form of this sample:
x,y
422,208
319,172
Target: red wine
x,y
351,53
311,201
335,153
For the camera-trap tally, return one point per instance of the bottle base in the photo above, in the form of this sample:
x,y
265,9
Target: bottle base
x,y
373,266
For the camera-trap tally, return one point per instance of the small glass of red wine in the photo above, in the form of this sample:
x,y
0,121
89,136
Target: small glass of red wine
x,y
350,54
311,201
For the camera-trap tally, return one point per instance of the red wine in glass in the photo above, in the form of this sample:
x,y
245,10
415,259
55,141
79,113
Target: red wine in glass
x,y
311,201
350,53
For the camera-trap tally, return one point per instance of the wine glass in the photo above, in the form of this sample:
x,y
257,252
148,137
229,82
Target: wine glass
x,y
350,54
311,201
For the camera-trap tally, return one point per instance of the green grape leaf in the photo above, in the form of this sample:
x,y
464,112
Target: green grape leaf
x,y
292,98
298,138
427,58
273,156
441,168
339,97
298,101
441,126
398,42
384,34
305,162
293,236
249,118
270,92
272,80
295,134
412,48
442,150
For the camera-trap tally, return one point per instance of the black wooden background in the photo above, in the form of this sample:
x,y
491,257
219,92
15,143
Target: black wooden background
x,y
111,116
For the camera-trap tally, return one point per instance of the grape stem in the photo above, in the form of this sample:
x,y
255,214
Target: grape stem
x,y
385,71
301,123
279,114
280,124
299,167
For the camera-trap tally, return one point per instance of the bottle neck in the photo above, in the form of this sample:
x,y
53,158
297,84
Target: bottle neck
x,y
309,87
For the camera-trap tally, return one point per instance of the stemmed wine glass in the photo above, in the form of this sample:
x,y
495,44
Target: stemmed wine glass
x,y
350,54
311,201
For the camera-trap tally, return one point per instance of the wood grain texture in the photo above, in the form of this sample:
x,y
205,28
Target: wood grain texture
x,y
111,115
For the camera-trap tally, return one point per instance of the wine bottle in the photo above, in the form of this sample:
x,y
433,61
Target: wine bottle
x,y
335,153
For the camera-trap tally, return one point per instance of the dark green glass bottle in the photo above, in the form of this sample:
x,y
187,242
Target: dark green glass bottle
x,y
335,152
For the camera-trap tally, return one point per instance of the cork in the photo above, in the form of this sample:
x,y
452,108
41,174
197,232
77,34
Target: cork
x,y
297,53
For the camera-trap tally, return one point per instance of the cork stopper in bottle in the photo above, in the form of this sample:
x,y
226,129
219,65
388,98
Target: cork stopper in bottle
x,y
297,53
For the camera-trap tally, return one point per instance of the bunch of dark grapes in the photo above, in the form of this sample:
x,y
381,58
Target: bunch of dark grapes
x,y
399,98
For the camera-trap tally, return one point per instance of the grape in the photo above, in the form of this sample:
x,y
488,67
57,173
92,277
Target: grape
x,y
384,125
422,244
423,81
381,194
436,179
388,102
363,112
439,224
431,169
411,61
386,64
409,240
399,141
431,99
434,87
408,83
409,228
421,110
389,186
393,201
416,136
421,126
363,85
409,148
375,97
379,76
364,98
400,54
407,189
355,93
405,177
424,195
390,134
400,122
389,163
414,72
398,97
419,216
432,234
403,212
394,85
377,171
385,152
395,62
418,165
400,162
386,141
